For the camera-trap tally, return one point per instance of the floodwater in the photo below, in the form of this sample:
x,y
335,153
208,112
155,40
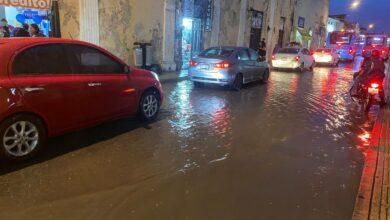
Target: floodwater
x,y
290,149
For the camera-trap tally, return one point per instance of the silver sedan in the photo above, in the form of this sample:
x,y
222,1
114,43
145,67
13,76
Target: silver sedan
x,y
232,66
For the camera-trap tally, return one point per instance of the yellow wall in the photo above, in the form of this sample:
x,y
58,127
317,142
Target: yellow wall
x,y
69,18
122,22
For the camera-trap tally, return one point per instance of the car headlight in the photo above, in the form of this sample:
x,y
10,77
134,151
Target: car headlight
x,y
155,75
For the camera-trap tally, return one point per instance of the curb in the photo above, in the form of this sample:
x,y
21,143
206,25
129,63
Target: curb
x,y
365,194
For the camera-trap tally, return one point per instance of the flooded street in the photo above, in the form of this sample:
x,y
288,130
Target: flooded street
x,y
289,149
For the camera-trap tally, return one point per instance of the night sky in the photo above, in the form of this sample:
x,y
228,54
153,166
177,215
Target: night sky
x,y
370,11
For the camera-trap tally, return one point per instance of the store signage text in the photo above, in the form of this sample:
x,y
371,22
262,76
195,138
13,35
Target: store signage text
x,y
36,4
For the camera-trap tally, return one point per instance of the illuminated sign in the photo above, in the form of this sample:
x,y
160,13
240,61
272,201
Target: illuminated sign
x,y
36,4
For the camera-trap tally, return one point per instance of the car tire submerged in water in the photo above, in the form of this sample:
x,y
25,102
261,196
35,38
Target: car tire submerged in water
x,y
237,83
22,137
149,105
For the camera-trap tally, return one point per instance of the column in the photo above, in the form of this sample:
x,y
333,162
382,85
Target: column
x,y
89,21
242,23
216,23
168,62
271,13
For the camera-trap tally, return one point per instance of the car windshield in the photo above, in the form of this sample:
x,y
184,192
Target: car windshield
x,y
216,53
289,51
324,51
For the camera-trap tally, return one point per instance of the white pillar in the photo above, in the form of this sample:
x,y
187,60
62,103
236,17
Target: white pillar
x,y
271,13
242,23
89,21
216,23
168,62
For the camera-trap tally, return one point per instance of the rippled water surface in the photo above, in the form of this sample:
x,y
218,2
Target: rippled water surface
x,y
289,149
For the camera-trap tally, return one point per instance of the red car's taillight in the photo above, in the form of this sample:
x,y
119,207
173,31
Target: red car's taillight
x,y
273,57
193,63
351,51
374,85
222,65
297,58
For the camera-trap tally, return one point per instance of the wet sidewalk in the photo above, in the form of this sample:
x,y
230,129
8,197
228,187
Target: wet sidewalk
x,y
173,77
373,200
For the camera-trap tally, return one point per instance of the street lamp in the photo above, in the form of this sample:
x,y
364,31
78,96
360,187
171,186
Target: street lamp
x,y
371,26
355,4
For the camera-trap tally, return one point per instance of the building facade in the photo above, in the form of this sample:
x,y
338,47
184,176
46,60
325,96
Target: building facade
x,y
180,29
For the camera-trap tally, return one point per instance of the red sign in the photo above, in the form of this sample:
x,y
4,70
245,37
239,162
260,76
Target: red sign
x,y
36,4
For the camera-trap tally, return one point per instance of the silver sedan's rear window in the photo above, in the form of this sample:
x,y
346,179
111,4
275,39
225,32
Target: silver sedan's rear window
x,y
216,53
289,51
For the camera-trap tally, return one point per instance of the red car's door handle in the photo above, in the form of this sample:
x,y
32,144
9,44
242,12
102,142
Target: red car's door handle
x,y
33,89
94,84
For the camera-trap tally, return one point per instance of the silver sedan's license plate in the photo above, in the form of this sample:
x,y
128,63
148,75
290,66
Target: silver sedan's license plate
x,y
203,66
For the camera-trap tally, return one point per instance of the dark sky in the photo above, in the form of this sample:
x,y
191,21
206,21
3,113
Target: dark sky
x,y
370,11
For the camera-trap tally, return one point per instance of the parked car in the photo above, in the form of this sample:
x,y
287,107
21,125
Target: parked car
x,y
327,56
233,66
293,58
49,87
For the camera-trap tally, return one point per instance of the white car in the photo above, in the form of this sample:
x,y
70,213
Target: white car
x,y
293,58
327,56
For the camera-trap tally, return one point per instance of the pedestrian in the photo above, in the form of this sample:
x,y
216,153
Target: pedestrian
x,y
262,48
34,31
263,45
5,28
21,31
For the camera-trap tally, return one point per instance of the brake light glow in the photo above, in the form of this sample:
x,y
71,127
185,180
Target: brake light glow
x,y
223,65
374,85
297,58
383,51
351,51
193,63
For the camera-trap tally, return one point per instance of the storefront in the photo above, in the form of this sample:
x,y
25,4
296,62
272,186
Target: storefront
x,y
44,13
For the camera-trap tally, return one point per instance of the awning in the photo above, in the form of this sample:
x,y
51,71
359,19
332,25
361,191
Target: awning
x,y
36,4
305,35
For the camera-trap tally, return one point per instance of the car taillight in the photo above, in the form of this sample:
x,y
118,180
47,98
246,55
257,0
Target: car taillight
x,y
383,51
223,65
297,58
374,85
364,50
193,63
351,51
273,57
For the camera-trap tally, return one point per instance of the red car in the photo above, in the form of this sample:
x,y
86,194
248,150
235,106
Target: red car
x,y
52,86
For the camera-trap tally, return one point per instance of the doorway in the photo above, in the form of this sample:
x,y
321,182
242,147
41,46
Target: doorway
x,y
256,29
192,40
281,31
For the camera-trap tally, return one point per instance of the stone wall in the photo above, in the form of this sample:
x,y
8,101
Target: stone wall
x,y
123,22
230,17
69,18
316,13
